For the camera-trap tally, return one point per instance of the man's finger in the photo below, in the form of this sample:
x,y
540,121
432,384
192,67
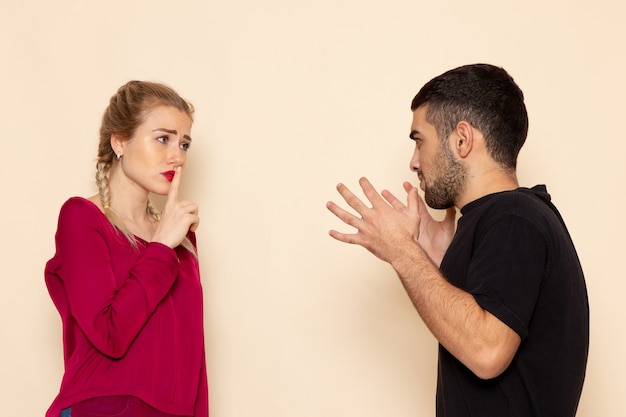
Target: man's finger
x,y
370,192
407,186
391,199
421,205
413,200
346,217
352,200
344,237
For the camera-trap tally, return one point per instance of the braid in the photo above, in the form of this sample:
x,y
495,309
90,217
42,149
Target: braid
x,y
103,169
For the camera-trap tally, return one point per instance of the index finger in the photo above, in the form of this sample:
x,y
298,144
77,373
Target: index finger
x,y
172,195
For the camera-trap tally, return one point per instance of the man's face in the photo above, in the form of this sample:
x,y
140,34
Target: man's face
x,y
442,177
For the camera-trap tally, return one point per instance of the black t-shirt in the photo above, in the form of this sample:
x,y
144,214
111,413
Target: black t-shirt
x,y
513,253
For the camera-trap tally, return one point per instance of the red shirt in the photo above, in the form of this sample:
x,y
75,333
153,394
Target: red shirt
x,y
132,318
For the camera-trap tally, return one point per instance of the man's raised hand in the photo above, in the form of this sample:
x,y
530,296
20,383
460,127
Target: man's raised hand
x,y
381,228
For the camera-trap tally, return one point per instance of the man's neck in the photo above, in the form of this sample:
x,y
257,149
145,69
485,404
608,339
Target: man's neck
x,y
485,182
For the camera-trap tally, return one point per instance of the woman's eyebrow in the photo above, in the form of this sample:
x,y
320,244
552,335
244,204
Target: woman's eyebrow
x,y
172,132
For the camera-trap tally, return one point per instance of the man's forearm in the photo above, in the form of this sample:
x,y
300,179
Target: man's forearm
x,y
474,336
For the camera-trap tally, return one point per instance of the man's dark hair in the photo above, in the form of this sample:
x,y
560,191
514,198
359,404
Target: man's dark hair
x,y
485,96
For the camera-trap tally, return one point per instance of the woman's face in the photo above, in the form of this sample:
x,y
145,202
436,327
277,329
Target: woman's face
x,y
158,146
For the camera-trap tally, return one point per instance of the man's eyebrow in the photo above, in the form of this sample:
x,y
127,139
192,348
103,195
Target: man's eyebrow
x,y
171,132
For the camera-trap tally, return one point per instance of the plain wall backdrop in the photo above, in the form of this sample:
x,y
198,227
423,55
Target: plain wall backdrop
x,y
293,97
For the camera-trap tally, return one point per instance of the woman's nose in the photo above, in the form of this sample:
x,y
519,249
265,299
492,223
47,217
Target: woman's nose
x,y
175,155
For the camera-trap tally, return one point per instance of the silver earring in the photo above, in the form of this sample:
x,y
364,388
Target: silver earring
x,y
119,155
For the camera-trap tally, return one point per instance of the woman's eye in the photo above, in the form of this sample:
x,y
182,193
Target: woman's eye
x,y
162,139
185,146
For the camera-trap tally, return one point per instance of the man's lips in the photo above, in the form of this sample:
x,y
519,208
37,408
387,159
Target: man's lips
x,y
169,175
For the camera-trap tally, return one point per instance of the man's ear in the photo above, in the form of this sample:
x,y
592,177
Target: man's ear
x,y
464,138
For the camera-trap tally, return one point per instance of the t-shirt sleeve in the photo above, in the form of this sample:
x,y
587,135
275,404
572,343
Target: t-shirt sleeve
x,y
111,316
506,271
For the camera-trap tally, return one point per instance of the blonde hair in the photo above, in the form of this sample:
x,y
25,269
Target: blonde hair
x,y
126,111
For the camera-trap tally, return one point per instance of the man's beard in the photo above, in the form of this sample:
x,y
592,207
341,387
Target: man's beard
x,y
446,187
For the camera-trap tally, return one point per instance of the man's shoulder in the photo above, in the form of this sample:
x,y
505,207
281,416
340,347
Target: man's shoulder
x,y
519,197
529,205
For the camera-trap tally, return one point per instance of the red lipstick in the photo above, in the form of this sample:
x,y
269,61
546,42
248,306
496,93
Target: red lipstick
x,y
169,175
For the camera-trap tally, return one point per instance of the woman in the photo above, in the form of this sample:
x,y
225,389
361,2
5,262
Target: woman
x,y
125,277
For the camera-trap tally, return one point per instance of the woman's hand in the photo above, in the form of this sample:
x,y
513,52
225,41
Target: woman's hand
x,y
177,218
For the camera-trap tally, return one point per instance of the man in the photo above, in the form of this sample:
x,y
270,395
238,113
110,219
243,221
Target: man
x,y
504,294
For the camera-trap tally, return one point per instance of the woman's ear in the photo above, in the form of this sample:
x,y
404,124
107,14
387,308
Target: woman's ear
x,y
117,144
464,138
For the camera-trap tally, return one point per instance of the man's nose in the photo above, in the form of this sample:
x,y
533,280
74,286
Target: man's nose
x,y
414,163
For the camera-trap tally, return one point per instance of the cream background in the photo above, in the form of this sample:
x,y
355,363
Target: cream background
x,y
293,97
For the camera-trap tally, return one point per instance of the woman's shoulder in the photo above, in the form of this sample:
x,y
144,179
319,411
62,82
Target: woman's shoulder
x,y
79,208
81,203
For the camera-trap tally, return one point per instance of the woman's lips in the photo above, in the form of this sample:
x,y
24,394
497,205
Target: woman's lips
x,y
169,175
